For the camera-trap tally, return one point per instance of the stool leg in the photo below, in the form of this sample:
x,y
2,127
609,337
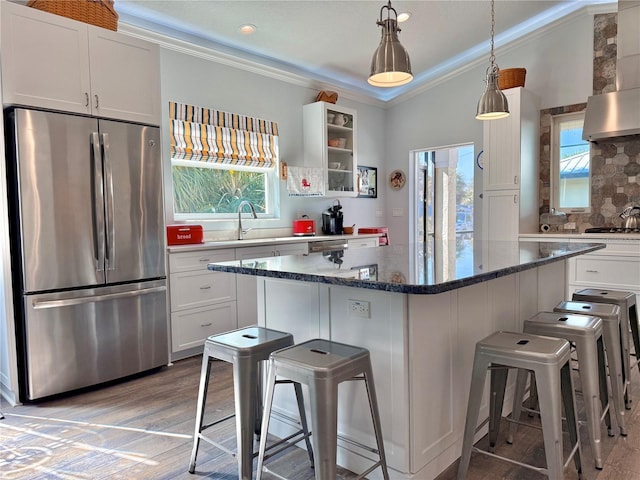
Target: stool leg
x,y
633,319
375,417
569,401
499,376
611,334
626,360
587,352
604,392
266,415
205,372
245,377
478,377
324,419
518,397
303,420
549,395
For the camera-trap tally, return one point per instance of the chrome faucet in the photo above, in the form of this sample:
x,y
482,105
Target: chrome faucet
x,y
253,212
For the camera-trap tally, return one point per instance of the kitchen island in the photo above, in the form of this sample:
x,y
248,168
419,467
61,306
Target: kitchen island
x,y
420,314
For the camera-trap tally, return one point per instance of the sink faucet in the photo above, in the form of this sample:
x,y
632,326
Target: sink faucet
x,y
253,212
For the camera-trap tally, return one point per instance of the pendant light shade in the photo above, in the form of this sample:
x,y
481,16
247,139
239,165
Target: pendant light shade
x,y
492,104
390,66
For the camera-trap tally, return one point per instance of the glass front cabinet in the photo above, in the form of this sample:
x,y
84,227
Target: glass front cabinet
x,y
330,144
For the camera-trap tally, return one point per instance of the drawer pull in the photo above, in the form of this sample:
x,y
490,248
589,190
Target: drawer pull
x,y
206,324
593,271
205,259
206,287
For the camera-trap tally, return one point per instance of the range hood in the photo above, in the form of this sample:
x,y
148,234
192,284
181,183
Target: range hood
x,y
616,115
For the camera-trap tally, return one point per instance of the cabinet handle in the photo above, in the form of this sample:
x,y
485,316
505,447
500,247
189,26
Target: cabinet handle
x,y
206,287
86,99
97,102
515,199
515,179
206,324
205,260
276,253
593,271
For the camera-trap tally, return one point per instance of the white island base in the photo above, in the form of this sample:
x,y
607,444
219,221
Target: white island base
x,y
422,348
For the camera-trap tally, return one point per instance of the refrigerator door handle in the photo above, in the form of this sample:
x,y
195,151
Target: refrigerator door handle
x,y
37,304
111,233
98,204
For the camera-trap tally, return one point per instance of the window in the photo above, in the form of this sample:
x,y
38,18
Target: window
x,y
218,160
210,191
571,163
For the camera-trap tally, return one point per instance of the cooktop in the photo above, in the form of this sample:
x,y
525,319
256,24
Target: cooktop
x,y
611,230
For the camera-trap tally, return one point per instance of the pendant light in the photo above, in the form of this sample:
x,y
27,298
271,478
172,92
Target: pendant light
x,y
390,66
492,104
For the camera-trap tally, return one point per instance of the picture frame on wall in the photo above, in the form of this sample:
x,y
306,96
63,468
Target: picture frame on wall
x,y
367,182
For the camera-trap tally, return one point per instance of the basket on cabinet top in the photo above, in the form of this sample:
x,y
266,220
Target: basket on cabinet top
x,y
100,13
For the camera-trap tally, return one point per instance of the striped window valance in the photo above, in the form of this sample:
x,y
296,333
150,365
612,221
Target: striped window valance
x,y
201,134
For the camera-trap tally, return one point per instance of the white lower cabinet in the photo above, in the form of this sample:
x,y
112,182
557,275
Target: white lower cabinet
x,y
617,267
203,302
246,284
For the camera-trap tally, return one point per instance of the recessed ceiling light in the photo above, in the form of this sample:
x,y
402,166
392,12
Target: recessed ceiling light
x,y
403,17
247,29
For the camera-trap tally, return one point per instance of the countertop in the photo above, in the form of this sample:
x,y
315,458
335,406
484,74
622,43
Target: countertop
x,y
405,269
253,242
607,236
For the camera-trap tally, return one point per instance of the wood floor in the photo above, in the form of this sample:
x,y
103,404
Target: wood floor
x,y
142,428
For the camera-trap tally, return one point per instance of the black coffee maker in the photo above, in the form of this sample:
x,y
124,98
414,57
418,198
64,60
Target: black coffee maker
x,y
332,219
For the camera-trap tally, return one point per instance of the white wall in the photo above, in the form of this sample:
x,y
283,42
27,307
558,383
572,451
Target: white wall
x,y
199,81
559,70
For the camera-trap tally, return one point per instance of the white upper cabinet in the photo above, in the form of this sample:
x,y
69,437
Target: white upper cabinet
x,y
510,175
511,144
330,143
52,62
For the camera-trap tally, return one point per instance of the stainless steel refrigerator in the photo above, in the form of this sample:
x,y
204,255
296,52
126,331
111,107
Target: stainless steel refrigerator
x,y
87,249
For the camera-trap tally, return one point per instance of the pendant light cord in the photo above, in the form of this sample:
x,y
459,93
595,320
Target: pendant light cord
x,y
492,57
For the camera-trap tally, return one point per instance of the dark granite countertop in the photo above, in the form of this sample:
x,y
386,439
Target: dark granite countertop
x,y
407,268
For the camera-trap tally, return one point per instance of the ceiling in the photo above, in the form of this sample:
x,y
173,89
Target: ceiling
x,y
332,42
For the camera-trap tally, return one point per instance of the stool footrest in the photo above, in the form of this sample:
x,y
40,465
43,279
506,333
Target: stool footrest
x,y
283,444
217,445
515,462
369,470
216,422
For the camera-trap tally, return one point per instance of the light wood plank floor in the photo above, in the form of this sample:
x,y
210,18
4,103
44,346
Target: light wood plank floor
x,y
142,428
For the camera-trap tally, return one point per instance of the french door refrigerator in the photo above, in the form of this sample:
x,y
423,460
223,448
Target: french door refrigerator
x,y
87,249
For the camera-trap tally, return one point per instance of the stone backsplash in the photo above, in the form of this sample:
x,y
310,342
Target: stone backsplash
x,y
615,166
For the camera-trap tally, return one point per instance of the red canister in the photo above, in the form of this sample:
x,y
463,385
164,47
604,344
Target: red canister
x,y
304,227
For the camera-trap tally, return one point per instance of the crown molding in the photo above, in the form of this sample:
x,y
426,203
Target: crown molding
x,y
212,54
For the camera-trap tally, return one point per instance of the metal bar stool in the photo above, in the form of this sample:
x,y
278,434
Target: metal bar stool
x,y
549,358
610,315
322,365
628,320
585,332
245,348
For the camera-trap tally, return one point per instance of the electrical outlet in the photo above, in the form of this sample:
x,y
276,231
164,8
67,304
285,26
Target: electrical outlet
x,y
397,212
570,226
379,213
359,308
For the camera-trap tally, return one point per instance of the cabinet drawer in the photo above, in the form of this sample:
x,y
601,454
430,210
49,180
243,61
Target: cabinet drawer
x,y
606,271
189,261
190,328
363,243
195,289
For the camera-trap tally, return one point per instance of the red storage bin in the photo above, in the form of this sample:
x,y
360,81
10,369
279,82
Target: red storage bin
x,y
184,234
384,231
